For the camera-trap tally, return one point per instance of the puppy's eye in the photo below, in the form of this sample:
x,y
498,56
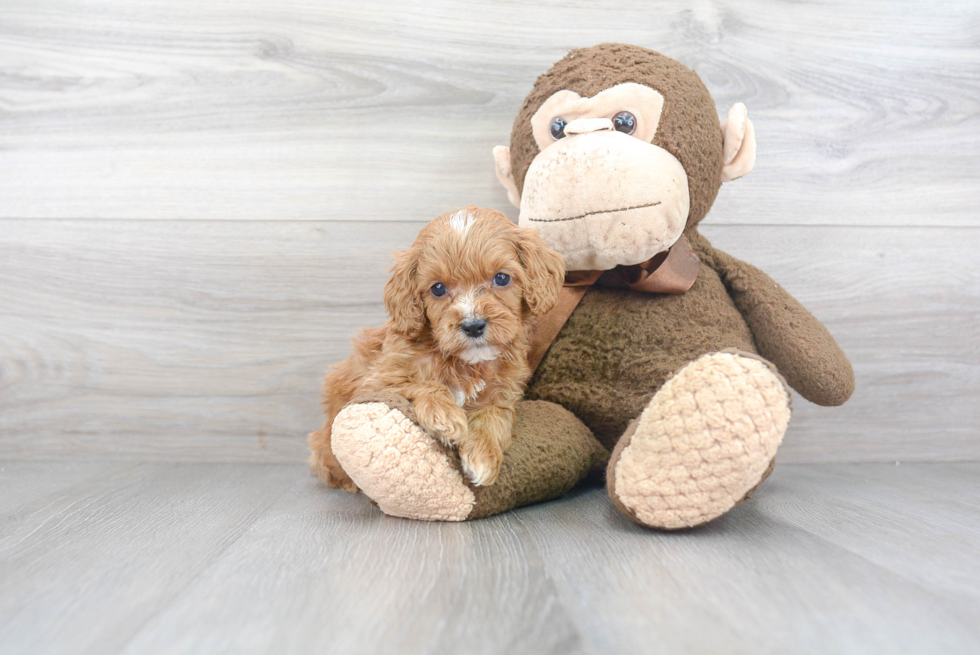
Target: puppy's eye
x,y
438,289
501,279
624,122
558,127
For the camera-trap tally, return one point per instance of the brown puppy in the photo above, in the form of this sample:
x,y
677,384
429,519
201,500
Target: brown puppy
x,y
461,303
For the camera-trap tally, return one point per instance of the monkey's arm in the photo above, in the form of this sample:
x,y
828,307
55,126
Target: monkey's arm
x,y
785,332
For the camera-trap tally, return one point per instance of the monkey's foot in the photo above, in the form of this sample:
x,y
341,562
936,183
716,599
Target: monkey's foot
x,y
703,443
409,474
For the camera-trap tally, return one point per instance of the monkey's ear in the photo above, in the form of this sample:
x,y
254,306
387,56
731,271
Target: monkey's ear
x,y
501,155
739,143
401,297
545,271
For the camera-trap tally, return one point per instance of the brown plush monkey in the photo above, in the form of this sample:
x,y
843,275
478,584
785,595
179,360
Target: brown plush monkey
x,y
676,356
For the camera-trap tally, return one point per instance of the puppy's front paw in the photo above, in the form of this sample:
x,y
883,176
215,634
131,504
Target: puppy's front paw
x,y
442,420
481,460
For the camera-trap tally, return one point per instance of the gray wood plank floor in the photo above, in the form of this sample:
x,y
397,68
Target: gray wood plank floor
x,y
110,557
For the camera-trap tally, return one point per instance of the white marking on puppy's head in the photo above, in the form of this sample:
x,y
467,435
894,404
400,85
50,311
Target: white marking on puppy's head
x,y
460,396
477,354
462,221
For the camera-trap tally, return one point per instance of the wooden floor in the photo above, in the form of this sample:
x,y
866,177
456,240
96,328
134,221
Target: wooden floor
x,y
110,557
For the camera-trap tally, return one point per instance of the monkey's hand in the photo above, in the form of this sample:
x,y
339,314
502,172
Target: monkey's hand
x,y
785,332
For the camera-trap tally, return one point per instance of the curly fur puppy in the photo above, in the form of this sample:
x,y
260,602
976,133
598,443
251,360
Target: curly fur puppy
x,y
461,303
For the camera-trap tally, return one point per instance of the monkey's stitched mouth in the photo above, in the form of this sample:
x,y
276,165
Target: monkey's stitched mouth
x,y
601,211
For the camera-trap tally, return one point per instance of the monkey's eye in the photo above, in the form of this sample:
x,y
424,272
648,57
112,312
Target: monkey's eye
x,y
558,128
501,279
624,122
438,289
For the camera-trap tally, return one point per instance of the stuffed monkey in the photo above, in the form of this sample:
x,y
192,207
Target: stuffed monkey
x,y
674,356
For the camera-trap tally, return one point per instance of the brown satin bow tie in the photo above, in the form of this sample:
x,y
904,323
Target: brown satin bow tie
x,y
672,271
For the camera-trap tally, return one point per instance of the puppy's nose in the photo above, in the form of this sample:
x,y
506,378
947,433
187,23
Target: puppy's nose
x,y
473,327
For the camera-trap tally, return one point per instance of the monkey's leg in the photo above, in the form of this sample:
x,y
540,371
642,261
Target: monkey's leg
x,y
409,474
707,439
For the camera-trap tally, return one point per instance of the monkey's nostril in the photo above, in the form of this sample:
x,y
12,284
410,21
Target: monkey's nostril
x,y
473,327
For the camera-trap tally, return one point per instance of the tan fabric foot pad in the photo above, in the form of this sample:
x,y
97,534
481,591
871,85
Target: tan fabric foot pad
x,y
705,440
397,465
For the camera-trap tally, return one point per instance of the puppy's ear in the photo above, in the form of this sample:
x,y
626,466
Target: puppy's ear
x,y
401,295
545,271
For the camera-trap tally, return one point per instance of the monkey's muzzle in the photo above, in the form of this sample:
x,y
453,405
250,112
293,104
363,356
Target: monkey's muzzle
x,y
605,199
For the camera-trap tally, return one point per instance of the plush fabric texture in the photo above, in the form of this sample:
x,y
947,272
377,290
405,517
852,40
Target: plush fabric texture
x,y
619,346
396,464
739,144
605,199
786,334
706,439
689,126
642,101
410,475
550,453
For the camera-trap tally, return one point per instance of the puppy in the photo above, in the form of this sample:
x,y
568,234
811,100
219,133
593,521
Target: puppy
x,y
461,303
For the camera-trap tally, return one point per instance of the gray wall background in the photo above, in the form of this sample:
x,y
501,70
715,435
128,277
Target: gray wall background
x,y
198,200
